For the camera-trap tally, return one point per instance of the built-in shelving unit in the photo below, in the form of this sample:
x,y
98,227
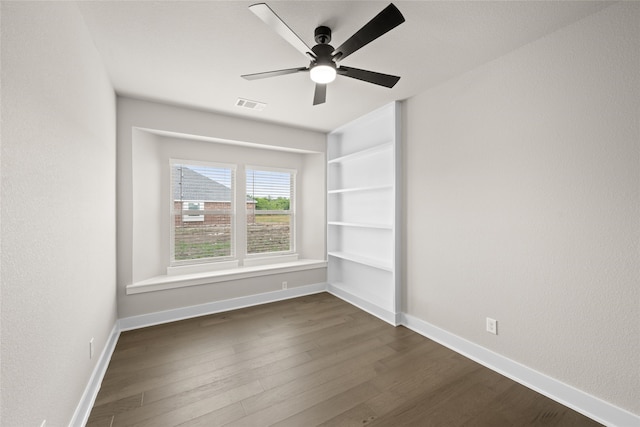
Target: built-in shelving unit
x,y
363,212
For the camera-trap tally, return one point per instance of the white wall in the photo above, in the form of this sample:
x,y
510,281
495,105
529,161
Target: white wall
x,y
523,204
58,211
143,194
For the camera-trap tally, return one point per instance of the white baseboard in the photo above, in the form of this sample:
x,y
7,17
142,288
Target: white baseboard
x,y
143,320
569,396
381,313
83,410
588,405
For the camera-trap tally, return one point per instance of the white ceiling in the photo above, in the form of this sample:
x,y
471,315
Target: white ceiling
x,y
193,53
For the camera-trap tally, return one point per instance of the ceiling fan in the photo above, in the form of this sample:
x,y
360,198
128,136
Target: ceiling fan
x,y
324,58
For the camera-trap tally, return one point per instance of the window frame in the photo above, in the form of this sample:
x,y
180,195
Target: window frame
x,y
239,213
233,213
291,212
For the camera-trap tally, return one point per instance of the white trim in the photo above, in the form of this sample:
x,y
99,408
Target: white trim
x,y
588,405
164,282
156,318
192,268
371,308
173,161
255,260
270,169
193,137
83,410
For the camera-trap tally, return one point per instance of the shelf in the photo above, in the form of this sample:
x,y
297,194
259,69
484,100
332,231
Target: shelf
x,y
361,225
362,153
382,265
355,189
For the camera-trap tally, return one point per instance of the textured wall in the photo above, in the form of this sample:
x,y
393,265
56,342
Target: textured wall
x,y
58,211
523,204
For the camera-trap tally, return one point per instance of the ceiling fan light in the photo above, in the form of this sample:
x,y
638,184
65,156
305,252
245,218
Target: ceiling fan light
x,y
323,74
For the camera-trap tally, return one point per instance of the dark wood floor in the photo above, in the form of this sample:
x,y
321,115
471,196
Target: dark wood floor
x,y
309,361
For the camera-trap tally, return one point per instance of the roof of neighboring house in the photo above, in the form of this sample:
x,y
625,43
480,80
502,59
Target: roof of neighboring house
x,y
197,187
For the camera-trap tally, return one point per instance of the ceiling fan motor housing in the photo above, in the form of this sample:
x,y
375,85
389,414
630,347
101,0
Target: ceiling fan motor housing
x,y
322,35
323,50
323,53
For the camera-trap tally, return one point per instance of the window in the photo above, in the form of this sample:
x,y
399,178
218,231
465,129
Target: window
x,y
203,212
204,204
194,209
270,207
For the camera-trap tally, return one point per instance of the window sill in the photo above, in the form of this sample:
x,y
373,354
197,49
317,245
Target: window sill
x,y
164,282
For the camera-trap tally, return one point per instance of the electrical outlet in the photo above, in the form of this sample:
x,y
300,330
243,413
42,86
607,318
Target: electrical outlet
x,y
492,326
91,348
284,285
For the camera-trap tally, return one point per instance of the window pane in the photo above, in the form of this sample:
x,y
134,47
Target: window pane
x,y
269,211
193,209
202,212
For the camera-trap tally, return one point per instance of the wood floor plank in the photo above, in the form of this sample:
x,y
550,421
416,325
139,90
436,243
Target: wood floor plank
x,y
518,406
205,371
311,396
308,361
440,389
185,407
108,410
212,379
219,417
359,415
102,421
368,352
330,408
300,383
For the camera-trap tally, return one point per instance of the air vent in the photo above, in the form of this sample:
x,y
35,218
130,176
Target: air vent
x,y
251,105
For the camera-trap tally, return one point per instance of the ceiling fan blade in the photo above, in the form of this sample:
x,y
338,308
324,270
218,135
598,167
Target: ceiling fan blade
x,y
388,19
275,73
386,80
320,94
264,12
